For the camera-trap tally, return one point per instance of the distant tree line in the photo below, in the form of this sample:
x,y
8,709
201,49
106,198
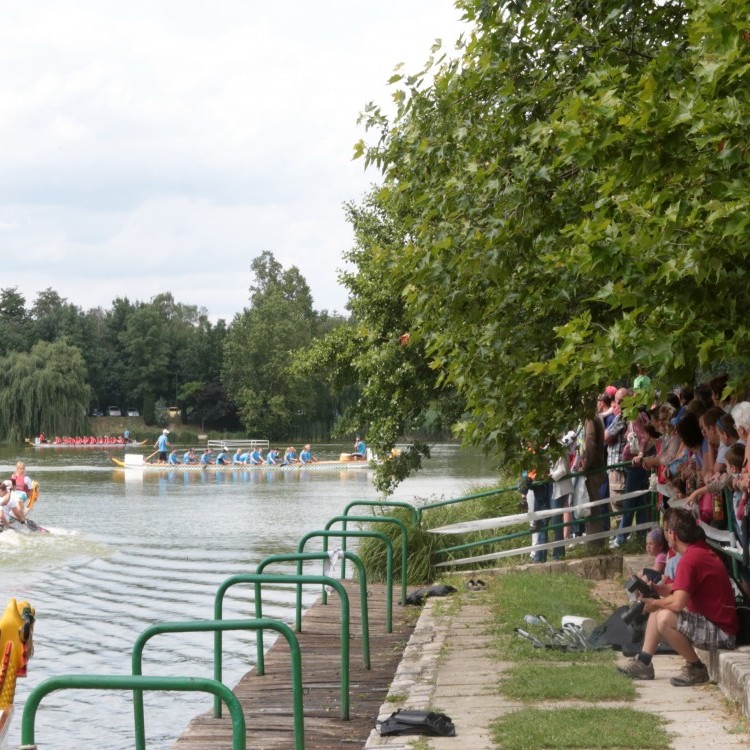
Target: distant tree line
x,y
61,362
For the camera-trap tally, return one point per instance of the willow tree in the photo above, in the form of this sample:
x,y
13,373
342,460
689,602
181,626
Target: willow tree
x,y
43,390
572,188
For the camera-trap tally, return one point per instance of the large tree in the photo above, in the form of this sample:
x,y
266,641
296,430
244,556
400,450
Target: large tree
x,y
44,389
259,346
572,188
388,390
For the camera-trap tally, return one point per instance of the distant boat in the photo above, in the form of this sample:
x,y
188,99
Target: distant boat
x,y
135,462
37,443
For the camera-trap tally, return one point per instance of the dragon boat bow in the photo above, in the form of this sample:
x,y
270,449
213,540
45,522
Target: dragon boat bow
x,y
16,648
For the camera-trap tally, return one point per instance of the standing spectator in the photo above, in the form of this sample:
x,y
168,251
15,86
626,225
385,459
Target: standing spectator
x,y
741,415
642,381
593,462
614,437
638,444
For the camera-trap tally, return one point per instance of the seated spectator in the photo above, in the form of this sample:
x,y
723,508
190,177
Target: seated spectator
x,y
700,611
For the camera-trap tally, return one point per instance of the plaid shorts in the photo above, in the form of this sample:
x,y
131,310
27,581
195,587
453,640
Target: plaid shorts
x,y
703,633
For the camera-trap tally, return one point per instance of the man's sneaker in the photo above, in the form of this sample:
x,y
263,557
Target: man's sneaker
x,y
691,674
634,668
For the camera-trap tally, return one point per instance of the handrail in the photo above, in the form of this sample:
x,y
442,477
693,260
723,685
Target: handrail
x,y
415,512
202,626
513,488
258,579
388,564
379,519
132,682
300,557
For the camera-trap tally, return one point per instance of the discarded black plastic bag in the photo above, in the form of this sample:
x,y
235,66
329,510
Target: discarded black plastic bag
x,y
405,721
416,598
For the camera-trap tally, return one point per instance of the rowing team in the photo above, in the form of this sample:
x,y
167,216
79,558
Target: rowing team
x,y
252,457
17,495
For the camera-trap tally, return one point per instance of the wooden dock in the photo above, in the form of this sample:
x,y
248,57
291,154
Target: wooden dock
x,y
267,700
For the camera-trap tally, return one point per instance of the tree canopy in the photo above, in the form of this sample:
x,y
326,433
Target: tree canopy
x,y
44,389
571,188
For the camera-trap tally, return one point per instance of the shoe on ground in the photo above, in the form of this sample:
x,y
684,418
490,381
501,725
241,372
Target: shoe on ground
x,y
634,668
691,674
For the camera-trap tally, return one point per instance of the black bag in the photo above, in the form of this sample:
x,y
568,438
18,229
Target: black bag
x,y
416,722
416,598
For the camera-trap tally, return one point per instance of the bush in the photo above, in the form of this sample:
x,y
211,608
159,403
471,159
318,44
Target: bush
x,y
423,548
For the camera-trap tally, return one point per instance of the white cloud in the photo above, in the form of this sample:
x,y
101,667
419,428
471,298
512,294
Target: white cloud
x,y
160,147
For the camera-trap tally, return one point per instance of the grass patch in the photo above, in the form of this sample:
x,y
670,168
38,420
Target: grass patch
x,y
576,729
517,594
586,682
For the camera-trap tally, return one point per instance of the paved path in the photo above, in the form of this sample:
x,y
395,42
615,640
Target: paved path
x,y
451,666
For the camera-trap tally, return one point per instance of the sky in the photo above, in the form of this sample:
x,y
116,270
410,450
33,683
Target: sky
x,y
155,146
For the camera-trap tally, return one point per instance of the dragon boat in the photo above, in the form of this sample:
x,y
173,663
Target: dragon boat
x,y
36,443
135,462
16,648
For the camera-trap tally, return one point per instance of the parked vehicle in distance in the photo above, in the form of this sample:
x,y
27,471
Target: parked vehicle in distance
x,y
173,411
114,411
97,412
133,413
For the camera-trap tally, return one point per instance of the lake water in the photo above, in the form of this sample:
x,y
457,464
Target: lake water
x,y
127,551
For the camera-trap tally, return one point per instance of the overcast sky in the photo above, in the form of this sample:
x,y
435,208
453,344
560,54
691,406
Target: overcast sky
x,y
151,146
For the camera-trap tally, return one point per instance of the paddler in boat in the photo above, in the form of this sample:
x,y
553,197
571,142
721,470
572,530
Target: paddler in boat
x,y
11,503
272,457
207,457
239,457
256,457
290,456
163,445
306,456
360,449
223,458
174,459
20,480
189,457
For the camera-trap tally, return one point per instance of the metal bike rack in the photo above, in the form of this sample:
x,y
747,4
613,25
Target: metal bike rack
x,y
382,519
326,534
132,682
258,579
216,626
300,557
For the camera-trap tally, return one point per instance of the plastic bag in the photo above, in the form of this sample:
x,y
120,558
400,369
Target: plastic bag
x,y
405,721
580,496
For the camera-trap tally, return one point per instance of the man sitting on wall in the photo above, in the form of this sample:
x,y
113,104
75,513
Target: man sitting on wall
x,y
700,611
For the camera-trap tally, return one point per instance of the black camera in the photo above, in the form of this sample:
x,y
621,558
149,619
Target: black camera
x,y
636,585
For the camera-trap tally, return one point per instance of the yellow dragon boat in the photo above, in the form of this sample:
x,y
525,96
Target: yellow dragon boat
x,y
16,648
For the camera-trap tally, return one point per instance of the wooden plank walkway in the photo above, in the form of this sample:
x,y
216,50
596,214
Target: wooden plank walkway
x,y
267,700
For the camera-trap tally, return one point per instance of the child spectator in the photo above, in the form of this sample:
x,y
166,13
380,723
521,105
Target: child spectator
x,y
656,545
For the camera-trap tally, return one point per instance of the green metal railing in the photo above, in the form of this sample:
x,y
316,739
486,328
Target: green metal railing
x,y
132,682
214,626
326,534
415,511
300,557
260,578
380,519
